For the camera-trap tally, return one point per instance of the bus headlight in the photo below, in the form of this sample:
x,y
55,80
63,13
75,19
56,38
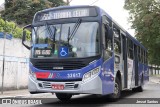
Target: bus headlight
x,y
32,74
91,74
87,75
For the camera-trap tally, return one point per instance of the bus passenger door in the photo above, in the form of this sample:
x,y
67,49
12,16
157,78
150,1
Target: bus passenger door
x,y
124,64
136,64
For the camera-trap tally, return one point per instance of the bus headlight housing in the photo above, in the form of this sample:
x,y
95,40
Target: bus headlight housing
x,y
32,74
91,74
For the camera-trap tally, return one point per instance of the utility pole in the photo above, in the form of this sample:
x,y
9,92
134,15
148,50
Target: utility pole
x,y
3,67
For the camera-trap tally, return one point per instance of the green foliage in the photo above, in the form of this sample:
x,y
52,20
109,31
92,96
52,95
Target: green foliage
x,y
11,28
145,19
22,11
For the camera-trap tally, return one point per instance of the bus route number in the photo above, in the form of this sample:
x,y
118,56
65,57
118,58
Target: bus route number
x,y
73,75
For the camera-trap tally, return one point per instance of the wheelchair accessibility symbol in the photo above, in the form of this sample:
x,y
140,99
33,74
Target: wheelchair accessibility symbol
x,y
63,51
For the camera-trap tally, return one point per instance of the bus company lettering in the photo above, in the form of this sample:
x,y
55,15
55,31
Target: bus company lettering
x,y
67,14
53,75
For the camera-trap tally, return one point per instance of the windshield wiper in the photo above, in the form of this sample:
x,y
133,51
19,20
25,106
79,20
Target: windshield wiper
x,y
52,31
74,30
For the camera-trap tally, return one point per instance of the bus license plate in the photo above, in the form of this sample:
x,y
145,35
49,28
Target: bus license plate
x,y
57,86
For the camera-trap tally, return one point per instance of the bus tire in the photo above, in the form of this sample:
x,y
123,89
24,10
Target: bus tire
x,y
138,89
63,96
117,91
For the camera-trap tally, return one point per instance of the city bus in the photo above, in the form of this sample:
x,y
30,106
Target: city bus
x,y
82,50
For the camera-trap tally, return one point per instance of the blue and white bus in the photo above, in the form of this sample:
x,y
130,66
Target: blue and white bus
x,y
82,50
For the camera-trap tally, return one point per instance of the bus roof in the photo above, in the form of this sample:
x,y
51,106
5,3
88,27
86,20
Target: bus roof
x,y
101,12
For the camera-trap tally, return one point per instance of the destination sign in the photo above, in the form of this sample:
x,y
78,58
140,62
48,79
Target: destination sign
x,y
66,13
42,52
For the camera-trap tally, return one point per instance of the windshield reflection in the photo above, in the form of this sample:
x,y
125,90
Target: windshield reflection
x,y
84,43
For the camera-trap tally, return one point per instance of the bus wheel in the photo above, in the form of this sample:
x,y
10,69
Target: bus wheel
x,y
63,96
140,88
117,91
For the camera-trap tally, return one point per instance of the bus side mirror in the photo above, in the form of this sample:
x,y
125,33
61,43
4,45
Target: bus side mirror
x,y
24,36
117,59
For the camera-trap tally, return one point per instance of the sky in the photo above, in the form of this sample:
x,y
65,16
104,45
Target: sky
x,y
1,2
113,7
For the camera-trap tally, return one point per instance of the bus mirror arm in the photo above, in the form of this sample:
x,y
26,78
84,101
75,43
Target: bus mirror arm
x,y
24,36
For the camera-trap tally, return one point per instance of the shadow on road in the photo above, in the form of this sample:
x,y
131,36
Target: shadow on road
x,y
92,100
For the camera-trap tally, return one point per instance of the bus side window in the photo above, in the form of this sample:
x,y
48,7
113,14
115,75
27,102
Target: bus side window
x,y
145,57
117,41
130,49
142,56
108,44
139,54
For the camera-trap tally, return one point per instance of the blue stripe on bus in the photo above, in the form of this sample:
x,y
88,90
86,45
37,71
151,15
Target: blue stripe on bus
x,y
107,76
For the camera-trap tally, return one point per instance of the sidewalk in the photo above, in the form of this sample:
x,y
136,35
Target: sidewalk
x,y
24,93
14,93
155,79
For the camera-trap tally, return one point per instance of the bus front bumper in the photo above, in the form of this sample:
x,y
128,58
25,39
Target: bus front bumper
x,y
93,86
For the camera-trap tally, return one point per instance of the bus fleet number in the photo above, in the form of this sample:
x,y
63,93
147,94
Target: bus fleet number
x,y
74,75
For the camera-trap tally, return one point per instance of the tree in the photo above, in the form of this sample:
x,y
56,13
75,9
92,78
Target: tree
x,y
145,19
12,28
22,11
55,3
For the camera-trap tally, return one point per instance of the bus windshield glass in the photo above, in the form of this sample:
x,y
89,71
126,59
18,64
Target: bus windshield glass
x,y
66,40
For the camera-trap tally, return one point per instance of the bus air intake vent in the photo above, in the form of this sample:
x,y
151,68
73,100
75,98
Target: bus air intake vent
x,y
61,64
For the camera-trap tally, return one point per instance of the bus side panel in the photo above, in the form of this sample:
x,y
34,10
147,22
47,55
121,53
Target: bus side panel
x,y
140,71
107,76
146,73
131,79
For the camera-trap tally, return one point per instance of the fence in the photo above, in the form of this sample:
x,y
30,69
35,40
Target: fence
x,y
154,70
15,72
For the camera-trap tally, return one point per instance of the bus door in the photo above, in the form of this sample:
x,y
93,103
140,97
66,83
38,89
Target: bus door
x,y
124,64
130,63
118,52
136,64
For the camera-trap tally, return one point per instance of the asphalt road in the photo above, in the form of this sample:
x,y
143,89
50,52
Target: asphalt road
x,y
151,90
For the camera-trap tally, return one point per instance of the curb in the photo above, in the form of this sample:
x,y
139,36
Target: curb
x,y
27,95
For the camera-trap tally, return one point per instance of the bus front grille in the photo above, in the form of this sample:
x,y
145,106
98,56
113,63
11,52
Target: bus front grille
x,y
59,65
62,64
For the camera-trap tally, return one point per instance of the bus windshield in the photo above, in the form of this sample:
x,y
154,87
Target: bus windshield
x,y
81,42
